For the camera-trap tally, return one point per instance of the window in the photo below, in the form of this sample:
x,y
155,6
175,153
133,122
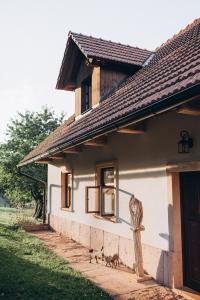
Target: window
x,y
66,190
101,199
107,191
86,95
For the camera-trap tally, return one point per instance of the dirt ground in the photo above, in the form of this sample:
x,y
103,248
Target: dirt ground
x,y
120,283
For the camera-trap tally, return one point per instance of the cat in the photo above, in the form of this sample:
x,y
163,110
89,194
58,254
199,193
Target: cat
x,y
108,260
115,260
96,254
112,261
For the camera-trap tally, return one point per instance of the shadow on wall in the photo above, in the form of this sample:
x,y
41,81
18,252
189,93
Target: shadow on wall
x,y
146,171
157,261
142,173
165,257
169,237
162,273
50,196
120,219
88,178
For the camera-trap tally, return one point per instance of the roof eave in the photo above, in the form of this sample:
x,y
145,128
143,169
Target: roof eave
x,y
161,106
59,84
91,59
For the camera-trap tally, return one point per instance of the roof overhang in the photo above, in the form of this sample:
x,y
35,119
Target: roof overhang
x,y
70,66
164,105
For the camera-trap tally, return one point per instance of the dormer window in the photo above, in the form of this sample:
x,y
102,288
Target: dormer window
x,y
93,71
86,95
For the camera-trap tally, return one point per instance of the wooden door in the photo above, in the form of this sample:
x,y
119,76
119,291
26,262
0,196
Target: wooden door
x,y
190,201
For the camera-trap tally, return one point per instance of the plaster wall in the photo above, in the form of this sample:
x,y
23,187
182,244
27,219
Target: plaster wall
x,y
142,164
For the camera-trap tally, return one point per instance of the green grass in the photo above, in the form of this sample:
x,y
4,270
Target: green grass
x,y
16,216
30,271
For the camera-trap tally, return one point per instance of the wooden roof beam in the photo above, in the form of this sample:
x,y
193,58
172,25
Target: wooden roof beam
x,y
98,142
139,129
58,156
76,149
189,110
44,161
130,131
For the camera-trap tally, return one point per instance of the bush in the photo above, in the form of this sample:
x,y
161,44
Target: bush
x,y
23,217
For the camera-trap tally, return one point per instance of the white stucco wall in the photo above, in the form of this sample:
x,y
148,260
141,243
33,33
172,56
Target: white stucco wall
x,y
142,164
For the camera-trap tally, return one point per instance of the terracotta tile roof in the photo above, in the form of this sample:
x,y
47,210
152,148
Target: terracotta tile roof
x,y
98,48
97,51
188,34
174,68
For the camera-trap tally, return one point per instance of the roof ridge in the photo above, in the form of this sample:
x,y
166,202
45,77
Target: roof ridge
x,y
179,33
71,33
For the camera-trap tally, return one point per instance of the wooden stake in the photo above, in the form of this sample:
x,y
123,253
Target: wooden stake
x,y
136,211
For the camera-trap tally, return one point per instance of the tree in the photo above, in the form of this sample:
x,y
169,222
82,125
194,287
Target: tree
x,y
24,133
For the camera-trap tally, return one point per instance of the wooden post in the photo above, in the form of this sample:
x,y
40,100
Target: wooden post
x,y
138,254
136,211
44,204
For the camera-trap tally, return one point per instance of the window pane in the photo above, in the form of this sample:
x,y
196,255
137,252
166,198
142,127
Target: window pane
x,y
68,189
107,176
92,198
85,94
87,97
108,201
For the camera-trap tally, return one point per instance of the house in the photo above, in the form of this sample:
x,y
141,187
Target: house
x,y
135,131
4,202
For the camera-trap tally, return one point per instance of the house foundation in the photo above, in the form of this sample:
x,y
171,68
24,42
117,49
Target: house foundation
x,y
156,261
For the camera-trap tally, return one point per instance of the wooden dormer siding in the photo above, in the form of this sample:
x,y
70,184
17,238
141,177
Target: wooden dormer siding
x,y
94,72
77,101
103,82
110,80
96,85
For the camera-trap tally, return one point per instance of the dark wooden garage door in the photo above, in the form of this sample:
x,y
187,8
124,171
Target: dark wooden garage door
x,y
190,200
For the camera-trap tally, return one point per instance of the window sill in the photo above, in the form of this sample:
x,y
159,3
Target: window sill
x,y
67,209
112,219
84,113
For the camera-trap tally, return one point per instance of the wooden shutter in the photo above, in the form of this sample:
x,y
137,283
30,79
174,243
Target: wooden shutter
x,y
63,190
92,199
66,190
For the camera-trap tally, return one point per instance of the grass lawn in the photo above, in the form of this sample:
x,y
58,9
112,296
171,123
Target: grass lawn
x,y
30,271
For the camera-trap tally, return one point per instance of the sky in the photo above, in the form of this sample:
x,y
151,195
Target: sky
x,y
33,35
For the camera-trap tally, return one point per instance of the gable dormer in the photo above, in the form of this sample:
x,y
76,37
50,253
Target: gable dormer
x,y
94,67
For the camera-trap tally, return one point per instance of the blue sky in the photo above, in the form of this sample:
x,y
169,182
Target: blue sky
x,y
34,33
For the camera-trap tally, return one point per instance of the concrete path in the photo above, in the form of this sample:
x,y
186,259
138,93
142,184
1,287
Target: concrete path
x,y
120,283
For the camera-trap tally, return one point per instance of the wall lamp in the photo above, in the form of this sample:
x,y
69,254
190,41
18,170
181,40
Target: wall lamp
x,y
186,142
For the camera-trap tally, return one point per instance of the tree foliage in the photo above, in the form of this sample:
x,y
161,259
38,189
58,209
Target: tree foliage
x,y
24,133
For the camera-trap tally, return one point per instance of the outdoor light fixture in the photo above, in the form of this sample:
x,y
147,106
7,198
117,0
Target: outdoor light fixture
x,y
185,143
